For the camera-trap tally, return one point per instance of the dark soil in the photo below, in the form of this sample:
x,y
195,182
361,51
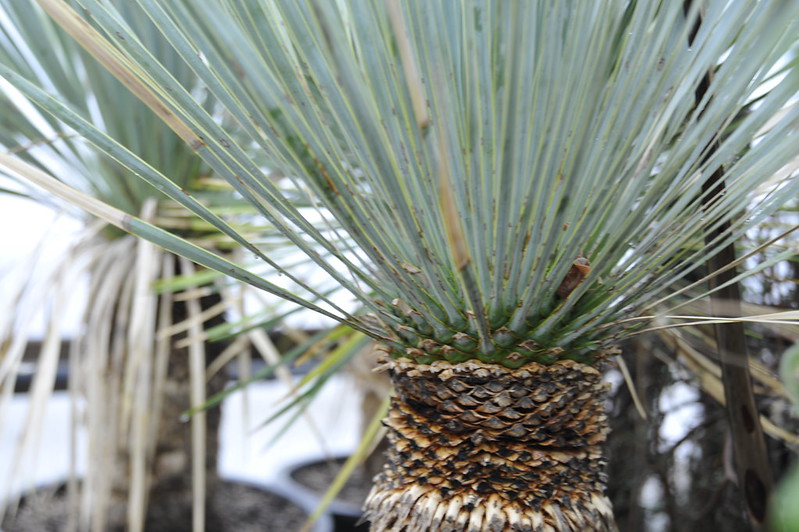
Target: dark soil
x,y
236,508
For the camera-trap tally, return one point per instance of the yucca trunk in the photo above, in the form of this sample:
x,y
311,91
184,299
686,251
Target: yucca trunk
x,y
170,498
478,447
169,473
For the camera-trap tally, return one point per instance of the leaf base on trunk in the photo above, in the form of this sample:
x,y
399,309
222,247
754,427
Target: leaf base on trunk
x,y
478,447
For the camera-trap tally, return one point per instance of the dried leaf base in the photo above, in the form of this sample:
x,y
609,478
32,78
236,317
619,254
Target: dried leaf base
x,y
476,447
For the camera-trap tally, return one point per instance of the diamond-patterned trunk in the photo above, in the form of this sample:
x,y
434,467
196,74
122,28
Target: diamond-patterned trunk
x,y
478,447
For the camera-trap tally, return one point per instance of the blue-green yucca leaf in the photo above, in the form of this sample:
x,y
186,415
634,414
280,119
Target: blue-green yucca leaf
x,y
40,52
228,160
131,151
468,156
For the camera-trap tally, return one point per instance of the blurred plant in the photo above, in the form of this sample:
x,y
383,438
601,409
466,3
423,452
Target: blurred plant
x,y
507,190
789,372
140,358
785,511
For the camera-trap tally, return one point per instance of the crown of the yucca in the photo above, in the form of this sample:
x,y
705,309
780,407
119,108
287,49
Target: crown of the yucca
x,y
499,180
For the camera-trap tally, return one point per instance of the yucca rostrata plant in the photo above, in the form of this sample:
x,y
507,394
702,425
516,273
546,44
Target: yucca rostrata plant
x,y
138,359
506,188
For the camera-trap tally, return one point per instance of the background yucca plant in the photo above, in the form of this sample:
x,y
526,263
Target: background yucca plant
x,y
786,515
507,189
140,359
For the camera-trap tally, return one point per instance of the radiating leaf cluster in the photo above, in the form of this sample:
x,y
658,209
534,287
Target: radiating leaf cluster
x,y
464,155
34,46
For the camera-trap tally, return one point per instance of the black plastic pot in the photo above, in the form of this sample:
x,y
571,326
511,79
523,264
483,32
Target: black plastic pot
x,y
311,477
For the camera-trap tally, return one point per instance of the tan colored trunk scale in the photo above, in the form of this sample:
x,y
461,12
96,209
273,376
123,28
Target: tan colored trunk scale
x,y
478,447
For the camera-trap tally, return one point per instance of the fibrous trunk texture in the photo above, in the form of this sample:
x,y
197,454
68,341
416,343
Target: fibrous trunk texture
x,y
478,447
170,500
